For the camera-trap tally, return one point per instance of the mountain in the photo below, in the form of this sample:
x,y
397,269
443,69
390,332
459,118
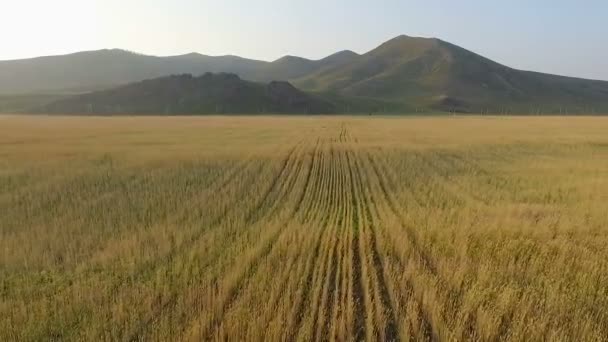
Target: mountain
x,y
95,70
185,94
404,74
431,73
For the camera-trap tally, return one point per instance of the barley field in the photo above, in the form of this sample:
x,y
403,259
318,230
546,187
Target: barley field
x,y
304,228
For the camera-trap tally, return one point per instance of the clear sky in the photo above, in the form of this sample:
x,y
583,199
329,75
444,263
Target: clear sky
x,y
566,37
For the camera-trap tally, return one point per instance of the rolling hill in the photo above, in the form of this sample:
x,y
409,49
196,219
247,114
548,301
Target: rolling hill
x,y
97,70
185,94
431,73
405,74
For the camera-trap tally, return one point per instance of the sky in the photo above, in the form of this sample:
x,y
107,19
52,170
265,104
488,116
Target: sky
x,y
565,37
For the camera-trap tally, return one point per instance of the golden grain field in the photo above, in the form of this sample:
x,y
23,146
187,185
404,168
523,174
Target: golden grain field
x,y
304,228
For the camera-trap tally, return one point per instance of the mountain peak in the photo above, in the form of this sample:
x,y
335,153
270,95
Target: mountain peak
x,y
291,59
191,55
343,54
114,51
339,58
403,39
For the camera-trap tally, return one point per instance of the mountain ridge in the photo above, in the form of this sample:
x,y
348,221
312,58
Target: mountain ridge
x,y
221,93
76,72
432,73
402,74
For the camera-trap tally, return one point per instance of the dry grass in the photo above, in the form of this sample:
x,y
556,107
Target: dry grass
x,y
274,228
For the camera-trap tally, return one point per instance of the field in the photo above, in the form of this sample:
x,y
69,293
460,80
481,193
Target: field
x,y
304,228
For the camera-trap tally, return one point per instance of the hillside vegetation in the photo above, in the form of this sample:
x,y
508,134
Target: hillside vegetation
x,y
185,94
301,229
431,73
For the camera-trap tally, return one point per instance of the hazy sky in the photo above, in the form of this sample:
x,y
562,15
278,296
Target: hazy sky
x,y
558,36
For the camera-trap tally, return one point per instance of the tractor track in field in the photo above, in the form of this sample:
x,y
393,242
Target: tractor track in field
x,y
389,331
326,267
332,283
310,270
329,269
256,214
322,271
298,209
290,170
142,327
359,294
337,326
425,260
412,235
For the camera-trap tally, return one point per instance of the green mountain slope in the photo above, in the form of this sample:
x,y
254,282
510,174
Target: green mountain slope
x,y
433,74
184,94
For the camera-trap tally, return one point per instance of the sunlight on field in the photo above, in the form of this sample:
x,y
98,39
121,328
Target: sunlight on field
x,y
303,228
